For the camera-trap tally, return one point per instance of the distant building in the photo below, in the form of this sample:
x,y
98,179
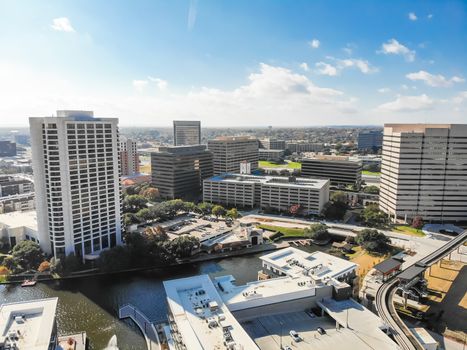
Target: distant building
x,y
19,226
270,154
187,132
272,144
230,151
179,171
29,325
7,149
19,202
340,170
129,159
22,139
370,140
423,172
269,192
77,183
302,147
10,185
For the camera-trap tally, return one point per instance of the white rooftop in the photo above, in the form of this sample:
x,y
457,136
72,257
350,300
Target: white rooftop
x,y
317,265
29,323
202,318
277,181
19,219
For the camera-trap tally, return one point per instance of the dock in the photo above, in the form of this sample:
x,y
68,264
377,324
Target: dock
x,y
144,324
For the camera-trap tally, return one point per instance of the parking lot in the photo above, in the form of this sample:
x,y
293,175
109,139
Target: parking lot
x,y
266,332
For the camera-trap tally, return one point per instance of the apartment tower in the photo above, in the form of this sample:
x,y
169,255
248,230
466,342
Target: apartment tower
x,y
76,176
231,151
424,172
187,133
129,159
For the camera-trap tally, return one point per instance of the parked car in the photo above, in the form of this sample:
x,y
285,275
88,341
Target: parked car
x,y
295,336
321,330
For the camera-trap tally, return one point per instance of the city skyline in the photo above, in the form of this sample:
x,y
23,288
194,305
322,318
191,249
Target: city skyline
x,y
237,64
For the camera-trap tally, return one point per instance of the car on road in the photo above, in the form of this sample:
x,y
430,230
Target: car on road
x,y
295,336
321,330
286,347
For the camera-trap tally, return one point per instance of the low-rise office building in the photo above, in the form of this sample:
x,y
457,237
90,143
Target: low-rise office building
x,y
274,155
341,171
19,226
267,192
19,202
179,171
231,151
272,144
302,146
11,185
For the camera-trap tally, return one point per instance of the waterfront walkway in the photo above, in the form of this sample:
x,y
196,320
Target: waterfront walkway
x,y
146,326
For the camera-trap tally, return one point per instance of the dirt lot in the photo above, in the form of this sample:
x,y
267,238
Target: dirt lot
x,y
364,260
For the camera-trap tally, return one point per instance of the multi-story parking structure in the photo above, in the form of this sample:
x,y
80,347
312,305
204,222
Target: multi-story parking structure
x,y
76,177
424,171
268,192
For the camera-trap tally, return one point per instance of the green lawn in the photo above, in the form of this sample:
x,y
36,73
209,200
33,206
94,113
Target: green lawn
x,y
373,173
286,231
408,230
290,165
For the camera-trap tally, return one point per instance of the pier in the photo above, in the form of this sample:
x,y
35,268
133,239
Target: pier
x,y
146,326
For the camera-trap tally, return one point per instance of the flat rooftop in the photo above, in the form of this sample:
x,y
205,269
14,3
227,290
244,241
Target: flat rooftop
x,y
203,320
279,181
317,265
30,323
19,219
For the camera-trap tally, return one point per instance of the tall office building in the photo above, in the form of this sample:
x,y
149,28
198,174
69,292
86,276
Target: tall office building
x,y
341,170
424,172
370,140
179,171
129,159
76,177
7,149
231,151
187,132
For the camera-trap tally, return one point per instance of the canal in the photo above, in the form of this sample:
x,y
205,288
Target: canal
x,y
91,304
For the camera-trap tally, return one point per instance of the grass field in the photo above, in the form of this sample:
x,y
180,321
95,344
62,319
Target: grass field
x,y
373,173
286,231
364,260
408,230
289,165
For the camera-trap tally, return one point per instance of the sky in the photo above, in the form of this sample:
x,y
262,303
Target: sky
x,y
235,63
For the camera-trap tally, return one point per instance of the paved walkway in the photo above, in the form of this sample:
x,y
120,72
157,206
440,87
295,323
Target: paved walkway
x,y
146,326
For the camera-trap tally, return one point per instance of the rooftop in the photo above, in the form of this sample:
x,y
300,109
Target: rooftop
x,y
272,180
317,265
19,219
202,318
28,324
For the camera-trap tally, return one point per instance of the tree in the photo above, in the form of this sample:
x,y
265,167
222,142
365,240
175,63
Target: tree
x,y
338,197
44,266
334,210
189,207
317,232
71,263
145,214
218,210
130,219
417,222
27,254
114,259
183,246
232,213
295,209
371,189
150,193
373,241
133,203
373,217
204,208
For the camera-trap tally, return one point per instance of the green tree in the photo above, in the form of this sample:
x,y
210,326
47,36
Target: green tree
x,y
114,259
371,189
317,232
130,219
71,263
373,217
145,214
218,210
232,213
189,207
134,203
204,208
183,246
27,254
373,241
338,197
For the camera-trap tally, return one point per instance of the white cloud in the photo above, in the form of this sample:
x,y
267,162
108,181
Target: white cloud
x,y
408,104
384,90
430,16
62,24
460,98
434,80
413,16
304,66
192,13
140,85
315,43
161,84
326,69
340,64
393,47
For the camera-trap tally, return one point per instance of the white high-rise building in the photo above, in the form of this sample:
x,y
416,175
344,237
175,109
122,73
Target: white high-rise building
x,y
424,172
129,159
76,171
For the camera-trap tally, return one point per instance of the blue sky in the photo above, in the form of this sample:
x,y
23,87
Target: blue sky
x,y
235,63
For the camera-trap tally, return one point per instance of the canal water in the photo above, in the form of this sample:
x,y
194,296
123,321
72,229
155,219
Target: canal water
x,y
91,304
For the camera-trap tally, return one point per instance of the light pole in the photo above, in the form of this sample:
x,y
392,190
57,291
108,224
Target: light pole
x,y
280,335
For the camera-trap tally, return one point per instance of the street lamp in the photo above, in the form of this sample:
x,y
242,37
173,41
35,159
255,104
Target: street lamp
x,y
280,335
